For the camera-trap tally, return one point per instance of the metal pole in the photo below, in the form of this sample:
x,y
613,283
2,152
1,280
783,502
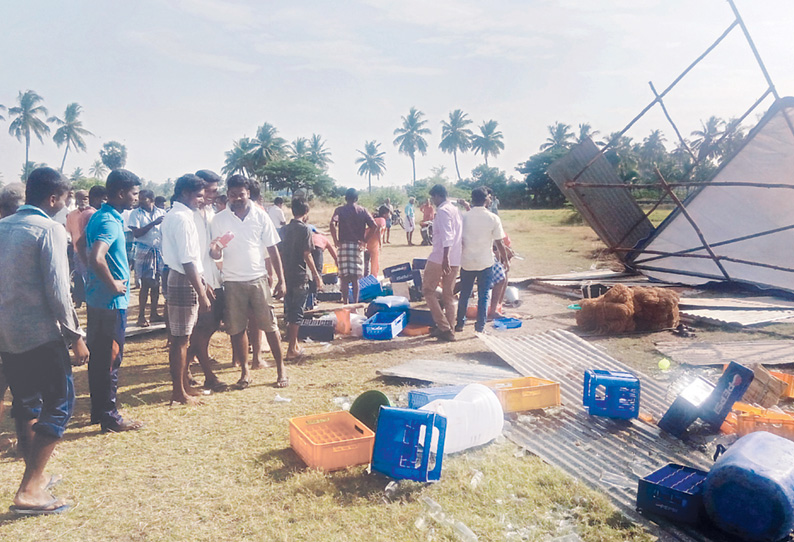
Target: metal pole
x,y
670,120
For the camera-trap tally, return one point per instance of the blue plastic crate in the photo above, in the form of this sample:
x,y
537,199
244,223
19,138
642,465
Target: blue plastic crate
x,y
419,398
613,394
674,492
384,325
417,276
397,271
398,451
419,263
316,330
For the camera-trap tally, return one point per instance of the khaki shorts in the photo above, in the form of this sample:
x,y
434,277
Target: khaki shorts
x,y
249,301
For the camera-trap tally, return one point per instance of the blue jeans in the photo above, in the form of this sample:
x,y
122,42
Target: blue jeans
x,y
483,295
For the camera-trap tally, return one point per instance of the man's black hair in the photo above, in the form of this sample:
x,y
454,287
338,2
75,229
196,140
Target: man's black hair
x,y
121,180
146,194
159,200
439,190
279,200
44,182
236,181
97,192
351,195
209,176
383,210
187,183
478,196
256,190
299,207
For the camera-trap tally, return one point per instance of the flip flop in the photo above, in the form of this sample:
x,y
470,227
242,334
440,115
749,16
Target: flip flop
x,y
43,510
241,384
145,323
282,382
54,480
216,387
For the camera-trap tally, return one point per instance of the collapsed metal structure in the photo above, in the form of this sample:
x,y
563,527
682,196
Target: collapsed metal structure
x,y
737,227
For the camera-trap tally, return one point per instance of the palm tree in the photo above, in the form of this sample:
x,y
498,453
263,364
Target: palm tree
x,y
409,138
318,154
240,158
98,170
489,142
372,161
28,168
2,108
560,137
455,136
298,148
705,139
266,146
653,149
586,131
76,175
27,120
71,130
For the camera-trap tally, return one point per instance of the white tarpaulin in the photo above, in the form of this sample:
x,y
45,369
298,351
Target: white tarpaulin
x,y
726,214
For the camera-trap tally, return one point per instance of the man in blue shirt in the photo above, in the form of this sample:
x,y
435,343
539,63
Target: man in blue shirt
x,y
107,297
37,319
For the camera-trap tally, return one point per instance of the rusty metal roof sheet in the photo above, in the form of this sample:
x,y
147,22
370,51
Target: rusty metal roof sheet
x,y
604,453
612,212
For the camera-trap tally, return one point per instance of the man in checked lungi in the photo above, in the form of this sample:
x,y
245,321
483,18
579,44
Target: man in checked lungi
x,y
145,225
351,228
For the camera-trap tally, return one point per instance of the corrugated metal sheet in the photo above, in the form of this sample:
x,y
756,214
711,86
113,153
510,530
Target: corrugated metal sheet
x,y
450,373
612,212
593,448
749,352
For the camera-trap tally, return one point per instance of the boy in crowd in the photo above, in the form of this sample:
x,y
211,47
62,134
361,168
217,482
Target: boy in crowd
x,y
187,293
145,225
108,296
37,319
298,263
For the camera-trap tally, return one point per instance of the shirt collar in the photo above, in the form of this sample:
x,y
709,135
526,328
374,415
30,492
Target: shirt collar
x,y
33,209
108,208
180,207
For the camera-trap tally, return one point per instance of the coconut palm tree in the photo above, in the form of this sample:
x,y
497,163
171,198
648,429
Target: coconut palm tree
x,y
27,121
98,170
653,149
71,130
455,136
586,131
705,140
298,148
560,137
372,161
409,138
489,141
240,158
267,146
318,154
76,175
28,168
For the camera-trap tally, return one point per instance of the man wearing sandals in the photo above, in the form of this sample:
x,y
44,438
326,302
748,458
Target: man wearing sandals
x,y
107,293
37,319
145,225
241,233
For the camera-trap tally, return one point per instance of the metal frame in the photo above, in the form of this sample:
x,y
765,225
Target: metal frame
x,y
668,188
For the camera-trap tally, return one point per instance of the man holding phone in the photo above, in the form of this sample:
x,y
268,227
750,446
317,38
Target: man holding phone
x,y
107,297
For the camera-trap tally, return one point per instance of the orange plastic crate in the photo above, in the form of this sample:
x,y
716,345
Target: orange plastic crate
x,y
773,422
527,393
331,441
788,379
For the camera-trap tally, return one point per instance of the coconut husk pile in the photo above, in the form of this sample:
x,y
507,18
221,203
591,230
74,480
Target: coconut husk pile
x,y
624,309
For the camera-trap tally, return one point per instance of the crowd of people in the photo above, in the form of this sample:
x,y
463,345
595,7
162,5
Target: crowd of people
x,y
217,260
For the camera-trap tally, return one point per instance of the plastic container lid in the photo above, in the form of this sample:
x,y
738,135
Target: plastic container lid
x,y
366,407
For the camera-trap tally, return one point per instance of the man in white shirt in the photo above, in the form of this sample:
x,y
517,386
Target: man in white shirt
x,y
241,233
187,294
481,231
208,322
144,222
276,213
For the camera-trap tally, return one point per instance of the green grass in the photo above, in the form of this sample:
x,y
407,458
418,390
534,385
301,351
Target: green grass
x,y
225,470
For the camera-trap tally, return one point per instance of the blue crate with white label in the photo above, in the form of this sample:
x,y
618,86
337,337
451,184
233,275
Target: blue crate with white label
x,y
383,326
674,492
419,398
368,288
398,273
419,263
613,394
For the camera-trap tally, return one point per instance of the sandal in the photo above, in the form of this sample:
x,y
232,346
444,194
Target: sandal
x,y
282,382
216,387
241,384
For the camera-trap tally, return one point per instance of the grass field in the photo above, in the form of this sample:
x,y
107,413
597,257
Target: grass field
x,y
225,470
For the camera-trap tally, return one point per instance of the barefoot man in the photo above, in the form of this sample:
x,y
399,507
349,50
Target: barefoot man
x,y
36,317
241,233
187,292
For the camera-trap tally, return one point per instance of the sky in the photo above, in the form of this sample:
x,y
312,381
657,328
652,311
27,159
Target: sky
x,y
177,81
